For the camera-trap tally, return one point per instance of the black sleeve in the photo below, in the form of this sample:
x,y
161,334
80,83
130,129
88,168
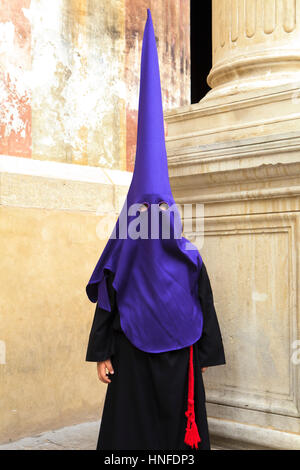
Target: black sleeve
x,y
210,345
101,339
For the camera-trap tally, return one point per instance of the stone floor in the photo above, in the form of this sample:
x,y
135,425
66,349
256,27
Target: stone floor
x,y
79,437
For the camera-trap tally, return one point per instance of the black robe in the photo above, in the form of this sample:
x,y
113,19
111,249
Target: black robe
x,y
145,402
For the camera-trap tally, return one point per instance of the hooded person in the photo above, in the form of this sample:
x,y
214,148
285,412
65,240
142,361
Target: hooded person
x,y
155,318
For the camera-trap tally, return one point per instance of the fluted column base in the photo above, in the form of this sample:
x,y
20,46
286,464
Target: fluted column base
x,y
255,45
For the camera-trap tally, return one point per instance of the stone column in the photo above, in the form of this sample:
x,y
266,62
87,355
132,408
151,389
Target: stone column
x,y
255,45
237,152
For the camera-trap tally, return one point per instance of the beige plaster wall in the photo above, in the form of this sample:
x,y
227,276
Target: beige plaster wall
x,y
46,260
46,257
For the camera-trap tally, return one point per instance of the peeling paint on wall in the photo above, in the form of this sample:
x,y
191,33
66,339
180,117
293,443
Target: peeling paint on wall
x,y
78,89
15,64
69,75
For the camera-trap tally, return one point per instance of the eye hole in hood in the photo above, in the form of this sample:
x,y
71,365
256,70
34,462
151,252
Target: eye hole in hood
x,y
144,207
163,205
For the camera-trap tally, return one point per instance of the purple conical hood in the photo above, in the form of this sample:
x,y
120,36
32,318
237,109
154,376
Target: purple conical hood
x,y
155,278
151,167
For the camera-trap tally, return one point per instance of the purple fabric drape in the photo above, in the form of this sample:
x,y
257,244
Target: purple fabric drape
x,y
155,278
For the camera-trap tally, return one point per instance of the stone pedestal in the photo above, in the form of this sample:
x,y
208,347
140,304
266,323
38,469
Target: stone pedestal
x,y
238,152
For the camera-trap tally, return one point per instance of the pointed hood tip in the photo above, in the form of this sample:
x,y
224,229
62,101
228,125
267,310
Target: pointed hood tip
x,y
150,173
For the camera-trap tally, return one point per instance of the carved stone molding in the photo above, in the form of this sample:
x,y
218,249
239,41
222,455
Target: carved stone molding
x,y
258,254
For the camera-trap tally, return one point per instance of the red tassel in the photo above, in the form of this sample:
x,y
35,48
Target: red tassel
x,y
191,434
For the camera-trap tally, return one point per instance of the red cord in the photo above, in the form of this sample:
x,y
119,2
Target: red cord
x,y
191,434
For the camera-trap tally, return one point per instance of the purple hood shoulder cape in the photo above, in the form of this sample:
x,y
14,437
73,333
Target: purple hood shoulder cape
x,y
156,278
